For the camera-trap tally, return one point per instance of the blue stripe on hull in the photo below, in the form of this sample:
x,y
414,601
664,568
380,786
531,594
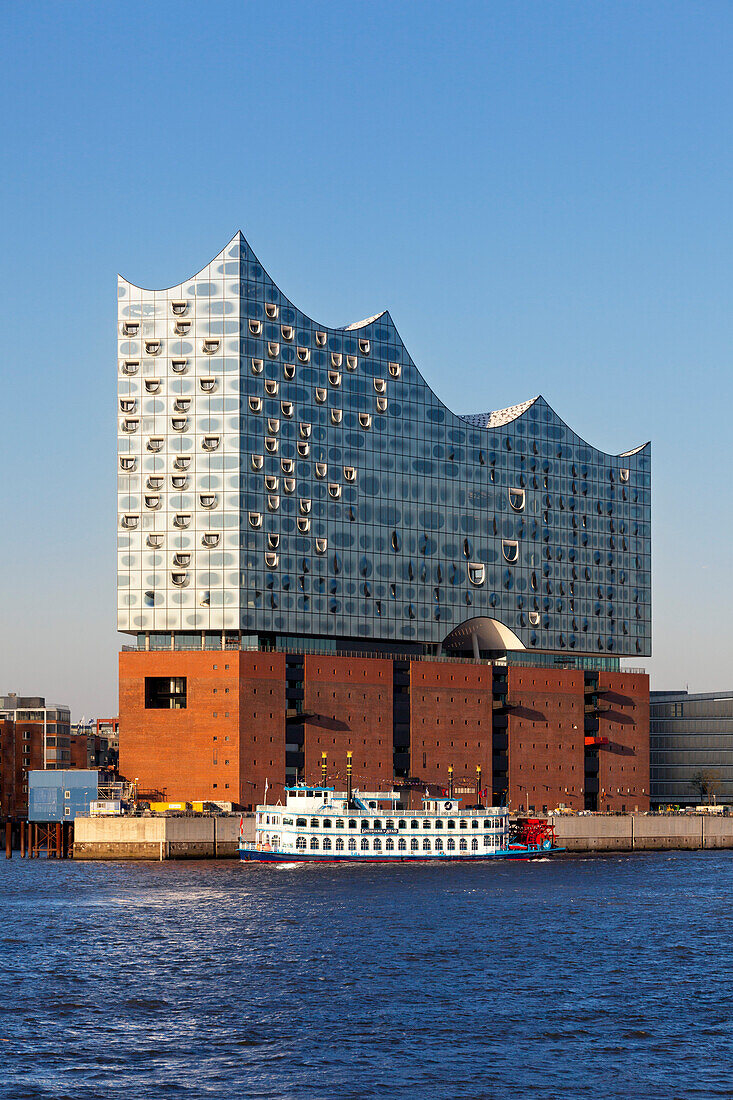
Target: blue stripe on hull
x,y
253,856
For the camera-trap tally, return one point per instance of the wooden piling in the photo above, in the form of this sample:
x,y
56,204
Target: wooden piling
x,y
22,840
59,841
8,840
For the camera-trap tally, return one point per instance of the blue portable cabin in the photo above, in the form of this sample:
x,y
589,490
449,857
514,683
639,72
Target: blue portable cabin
x,y
61,795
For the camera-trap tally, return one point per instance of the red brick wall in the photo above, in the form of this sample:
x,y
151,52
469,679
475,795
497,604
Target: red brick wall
x,y
7,768
546,738
15,749
261,727
450,723
182,753
351,700
623,765
78,751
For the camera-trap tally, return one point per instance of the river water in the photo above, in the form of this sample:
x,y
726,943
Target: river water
x,y
599,977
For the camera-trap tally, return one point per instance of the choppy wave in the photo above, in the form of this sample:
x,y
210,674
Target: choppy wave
x,y
559,978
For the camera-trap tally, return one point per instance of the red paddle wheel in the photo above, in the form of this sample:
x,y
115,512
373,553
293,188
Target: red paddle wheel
x,y
535,832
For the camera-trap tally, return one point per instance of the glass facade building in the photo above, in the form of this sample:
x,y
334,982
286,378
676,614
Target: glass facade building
x,y
691,745
281,477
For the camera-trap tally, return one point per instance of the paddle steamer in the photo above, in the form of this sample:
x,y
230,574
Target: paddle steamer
x,y
318,824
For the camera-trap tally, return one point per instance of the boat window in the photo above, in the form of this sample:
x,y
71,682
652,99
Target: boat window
x,y
300,842
327,844
402,824
287,821
474,845
438,824
339,844
314,842
438,844
327,823
377,844
464,824
463,844
389,824
451,824
414,824
474,824
339,823
364,825
389,844
426,824
376,824
352,823
451,844
487,841
402,844
352,844
300,821
487,823
426,844
364,844
314,823
414,844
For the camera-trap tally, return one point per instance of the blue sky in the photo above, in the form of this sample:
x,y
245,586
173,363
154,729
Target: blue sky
x,y
540,193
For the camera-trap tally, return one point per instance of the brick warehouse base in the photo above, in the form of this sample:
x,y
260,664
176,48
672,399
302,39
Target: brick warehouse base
x,y
216,724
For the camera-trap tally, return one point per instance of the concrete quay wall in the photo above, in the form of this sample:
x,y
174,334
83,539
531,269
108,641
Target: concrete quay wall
x,y
642,832
159,838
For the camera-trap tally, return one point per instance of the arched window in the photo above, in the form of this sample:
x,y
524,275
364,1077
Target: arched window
x,y
426,844
352,822
389,844
376,824
314,843
364,825
364,844
451,844
326,823
339,823
377,845
327,844
402,844
426,824
438,824
474,845
300,842
314,823
438,844
300,821
487,840
414,824
451,824
339,844
414,844
352,844
402,824
464,844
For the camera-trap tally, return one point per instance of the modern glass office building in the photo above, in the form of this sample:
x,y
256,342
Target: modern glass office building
x,y
279,477
691,747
